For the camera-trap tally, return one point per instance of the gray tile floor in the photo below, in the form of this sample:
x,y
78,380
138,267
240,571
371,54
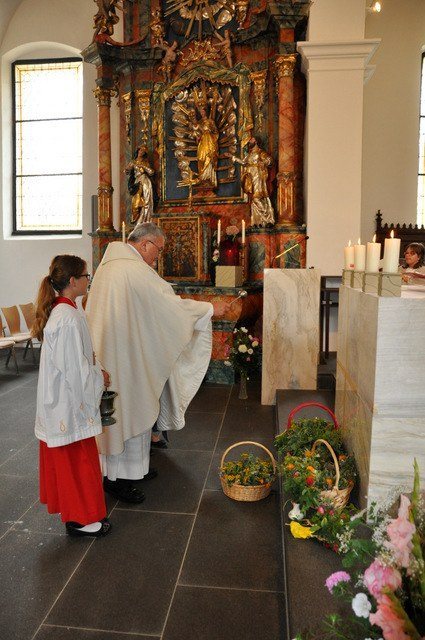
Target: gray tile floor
x,y
187,563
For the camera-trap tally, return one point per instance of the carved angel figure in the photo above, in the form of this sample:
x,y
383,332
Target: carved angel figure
x,y
204,119
254,182
140,187
169,59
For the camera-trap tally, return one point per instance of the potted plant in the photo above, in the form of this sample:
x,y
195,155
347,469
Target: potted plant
x,y
244,355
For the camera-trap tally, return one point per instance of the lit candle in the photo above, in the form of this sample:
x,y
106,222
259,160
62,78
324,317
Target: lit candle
x,y
373,256
391,254
243,231
218,232
123,231
349,256
359,256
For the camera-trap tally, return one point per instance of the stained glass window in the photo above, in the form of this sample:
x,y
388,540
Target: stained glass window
x,y
421,170
48,112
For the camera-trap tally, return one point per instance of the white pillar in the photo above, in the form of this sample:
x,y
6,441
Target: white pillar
x,y
335,62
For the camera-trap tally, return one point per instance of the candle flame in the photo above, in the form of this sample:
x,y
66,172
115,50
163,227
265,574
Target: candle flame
x,y
359,241
374,238
349,243
392,233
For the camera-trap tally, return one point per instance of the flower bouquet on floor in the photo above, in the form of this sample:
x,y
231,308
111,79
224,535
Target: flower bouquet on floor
x,y
244,354
386,584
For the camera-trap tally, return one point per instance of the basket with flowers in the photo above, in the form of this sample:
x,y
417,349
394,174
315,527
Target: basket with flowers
x,y
317,476
250,478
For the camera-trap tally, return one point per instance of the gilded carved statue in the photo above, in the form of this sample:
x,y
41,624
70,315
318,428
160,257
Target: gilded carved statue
x,y
140,187
169,59
204,119
255,168
207,152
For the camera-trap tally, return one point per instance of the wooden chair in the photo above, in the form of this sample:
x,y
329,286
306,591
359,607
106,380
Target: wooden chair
x,y
8,343
13,322
28,311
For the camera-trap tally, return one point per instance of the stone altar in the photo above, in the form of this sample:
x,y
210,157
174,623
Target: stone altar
x,y
380,397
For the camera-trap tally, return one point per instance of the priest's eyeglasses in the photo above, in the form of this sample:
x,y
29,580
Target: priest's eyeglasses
x,y
84,275
160,249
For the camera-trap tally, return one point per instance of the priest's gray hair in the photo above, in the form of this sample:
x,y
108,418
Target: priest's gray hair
x,y
144,230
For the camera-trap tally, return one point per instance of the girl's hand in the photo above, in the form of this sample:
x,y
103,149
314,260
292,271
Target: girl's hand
x,y
106,378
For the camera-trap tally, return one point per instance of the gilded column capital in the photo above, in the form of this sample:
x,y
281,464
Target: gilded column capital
x,y
284,65
103,96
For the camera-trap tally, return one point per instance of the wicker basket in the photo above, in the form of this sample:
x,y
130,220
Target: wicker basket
x,y
311,404
338,497
249,493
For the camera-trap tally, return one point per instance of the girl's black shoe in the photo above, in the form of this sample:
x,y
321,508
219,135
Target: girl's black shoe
x,y
74,529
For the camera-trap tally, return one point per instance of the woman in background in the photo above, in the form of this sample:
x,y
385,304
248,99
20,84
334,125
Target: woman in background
x,y
69,390
413,268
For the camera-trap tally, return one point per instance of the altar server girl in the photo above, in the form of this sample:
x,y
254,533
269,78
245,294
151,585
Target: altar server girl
x,y
69,389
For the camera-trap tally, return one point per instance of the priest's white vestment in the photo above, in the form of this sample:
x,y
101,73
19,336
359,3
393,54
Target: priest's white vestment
x,y
147,338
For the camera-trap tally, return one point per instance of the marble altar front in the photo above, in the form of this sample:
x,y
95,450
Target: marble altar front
x,y
380,398
290,331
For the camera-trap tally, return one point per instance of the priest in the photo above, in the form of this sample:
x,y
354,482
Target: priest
x,y
156,347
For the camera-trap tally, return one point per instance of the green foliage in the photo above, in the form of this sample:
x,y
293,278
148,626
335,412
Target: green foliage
x,y
247,471
301,435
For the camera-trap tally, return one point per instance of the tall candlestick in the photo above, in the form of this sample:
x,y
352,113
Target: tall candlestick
x,y
218,232
123,231
373,256
391,254
359,256
243,231
349,256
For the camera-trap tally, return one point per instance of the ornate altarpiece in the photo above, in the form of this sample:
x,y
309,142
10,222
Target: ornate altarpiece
x,y
196,80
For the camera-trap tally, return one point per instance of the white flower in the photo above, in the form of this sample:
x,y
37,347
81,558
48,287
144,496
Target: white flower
x,y
361,605
250,337
243,348
227,363
244,330
255,343
295,513
250,351
235,330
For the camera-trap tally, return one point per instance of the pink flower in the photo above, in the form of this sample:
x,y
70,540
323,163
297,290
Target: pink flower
x,y
336,578
377,576
400,532
386,618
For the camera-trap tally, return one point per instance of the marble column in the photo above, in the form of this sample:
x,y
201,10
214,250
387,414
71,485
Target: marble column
x,y
105,189
290,331
380,399
285,69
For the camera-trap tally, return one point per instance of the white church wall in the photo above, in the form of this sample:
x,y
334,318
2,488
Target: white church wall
x,y
41,28
391,114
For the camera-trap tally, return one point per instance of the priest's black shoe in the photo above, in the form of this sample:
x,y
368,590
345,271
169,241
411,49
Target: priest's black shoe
x,y
124,490
159,444
152,473
74,529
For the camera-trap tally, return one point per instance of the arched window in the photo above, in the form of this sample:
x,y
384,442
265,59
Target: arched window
x,y
48,114
421,170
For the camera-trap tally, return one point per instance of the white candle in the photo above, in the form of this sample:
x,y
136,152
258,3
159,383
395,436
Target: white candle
x,y
123,231
243,231
218,232
391,254
359,256
349,256
373,256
